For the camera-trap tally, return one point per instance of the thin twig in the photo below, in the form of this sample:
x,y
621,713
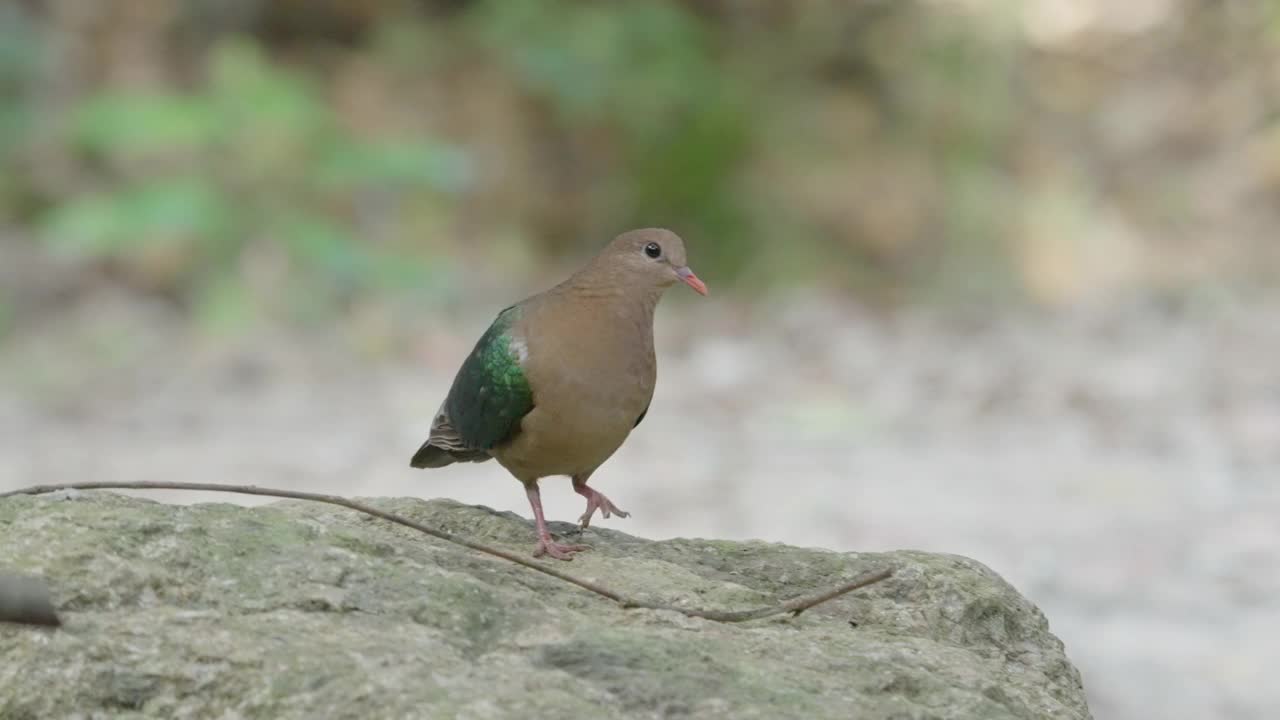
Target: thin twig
x,y
795,606
332,500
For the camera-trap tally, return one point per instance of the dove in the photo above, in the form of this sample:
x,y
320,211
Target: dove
x,y
558,382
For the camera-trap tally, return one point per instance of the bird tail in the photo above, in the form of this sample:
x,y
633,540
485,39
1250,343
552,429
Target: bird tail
x,y
445,446
431,456
434,456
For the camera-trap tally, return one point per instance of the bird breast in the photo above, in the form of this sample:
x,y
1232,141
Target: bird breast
x,y
591,379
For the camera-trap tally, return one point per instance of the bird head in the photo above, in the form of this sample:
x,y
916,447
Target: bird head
x,y
655,256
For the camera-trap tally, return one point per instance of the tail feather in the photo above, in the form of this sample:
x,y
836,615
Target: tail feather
x,y
445,446
430,456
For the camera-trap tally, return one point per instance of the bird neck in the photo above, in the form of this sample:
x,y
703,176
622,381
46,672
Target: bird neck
x,y
603,286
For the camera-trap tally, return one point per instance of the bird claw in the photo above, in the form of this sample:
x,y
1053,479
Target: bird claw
x,y
559,551
597,501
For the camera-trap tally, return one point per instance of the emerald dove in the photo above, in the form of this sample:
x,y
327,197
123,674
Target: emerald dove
x,y
558,381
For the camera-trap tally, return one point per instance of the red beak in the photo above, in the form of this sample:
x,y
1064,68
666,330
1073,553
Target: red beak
x,y
691,280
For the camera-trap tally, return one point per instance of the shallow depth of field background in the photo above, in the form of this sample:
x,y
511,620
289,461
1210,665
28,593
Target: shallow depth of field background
x,y
989,277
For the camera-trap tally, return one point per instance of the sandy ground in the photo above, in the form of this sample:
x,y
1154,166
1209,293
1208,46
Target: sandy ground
x,y
1121,468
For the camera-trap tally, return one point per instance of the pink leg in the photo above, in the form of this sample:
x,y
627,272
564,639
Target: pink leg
x,y
547,546
595,501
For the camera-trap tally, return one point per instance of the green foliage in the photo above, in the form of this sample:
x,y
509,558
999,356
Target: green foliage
x,y
647,75
965,107
910,148
252,164
629,61
182,210
6,316
20,66
248,191
138,124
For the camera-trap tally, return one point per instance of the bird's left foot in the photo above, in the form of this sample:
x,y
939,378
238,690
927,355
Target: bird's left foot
x,y
597,501
559,551
546,545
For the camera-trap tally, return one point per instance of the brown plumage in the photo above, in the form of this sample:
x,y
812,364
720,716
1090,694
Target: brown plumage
x,y
558,381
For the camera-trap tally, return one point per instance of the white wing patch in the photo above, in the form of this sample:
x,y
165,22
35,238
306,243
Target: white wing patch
x,y
520,348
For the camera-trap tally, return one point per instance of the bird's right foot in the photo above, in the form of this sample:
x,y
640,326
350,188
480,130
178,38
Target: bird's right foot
x,y
559,551
597,501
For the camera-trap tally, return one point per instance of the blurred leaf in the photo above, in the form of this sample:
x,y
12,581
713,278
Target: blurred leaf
x,y
556,47
396,163
629,60
248,88
7,316
693,162
20,62
223,303
678,118
102,224
324,247
115,122
406,272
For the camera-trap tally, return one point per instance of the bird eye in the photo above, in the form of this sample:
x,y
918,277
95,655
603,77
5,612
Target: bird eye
x,y
653,250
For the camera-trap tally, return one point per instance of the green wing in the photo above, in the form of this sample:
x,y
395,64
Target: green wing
x,y
490,393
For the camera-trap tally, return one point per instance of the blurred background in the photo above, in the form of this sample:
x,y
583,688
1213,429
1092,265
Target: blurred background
x,y
990,277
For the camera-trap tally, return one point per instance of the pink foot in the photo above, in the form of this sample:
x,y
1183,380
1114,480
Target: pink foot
x,y
597,501
547,546
559,551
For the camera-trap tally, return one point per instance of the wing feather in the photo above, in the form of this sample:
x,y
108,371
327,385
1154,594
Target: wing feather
x,y
489,396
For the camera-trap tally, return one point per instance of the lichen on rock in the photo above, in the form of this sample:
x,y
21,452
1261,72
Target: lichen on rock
x,y
301,610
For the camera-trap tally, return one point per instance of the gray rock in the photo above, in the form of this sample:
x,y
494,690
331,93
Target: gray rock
x,y
302,610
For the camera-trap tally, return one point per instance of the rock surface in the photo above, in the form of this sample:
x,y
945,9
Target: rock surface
x,y
302,610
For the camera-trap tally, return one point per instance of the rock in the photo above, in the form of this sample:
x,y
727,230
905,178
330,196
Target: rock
x,y
25,600
303,610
